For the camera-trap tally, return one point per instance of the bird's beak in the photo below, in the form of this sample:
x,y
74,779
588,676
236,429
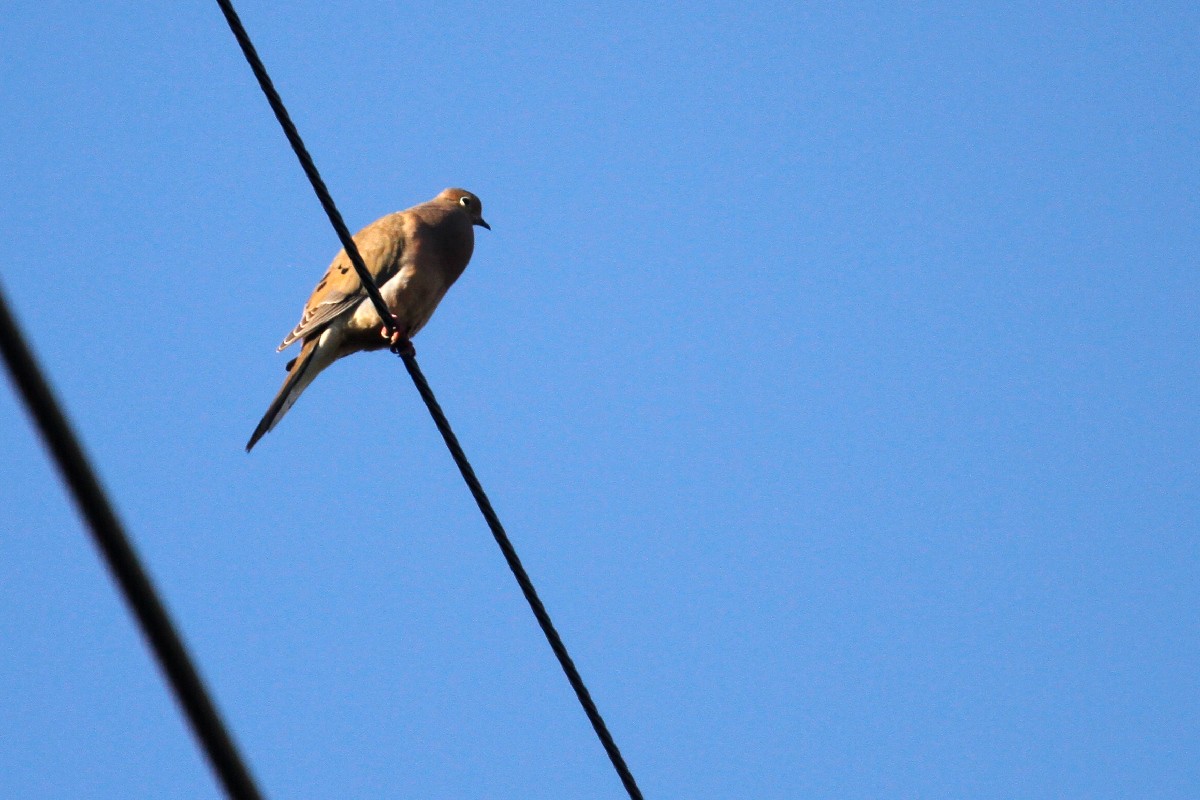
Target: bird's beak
x,y
481,222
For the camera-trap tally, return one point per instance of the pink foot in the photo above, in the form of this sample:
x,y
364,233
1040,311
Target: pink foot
x,y
403,347
401,344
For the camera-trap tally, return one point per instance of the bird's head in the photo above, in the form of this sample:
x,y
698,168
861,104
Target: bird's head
x,y
468,202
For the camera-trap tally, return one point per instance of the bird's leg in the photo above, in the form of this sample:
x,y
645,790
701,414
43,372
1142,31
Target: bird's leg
x,y
401,344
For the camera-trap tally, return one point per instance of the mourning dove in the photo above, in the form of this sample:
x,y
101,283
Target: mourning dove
x,y
414,257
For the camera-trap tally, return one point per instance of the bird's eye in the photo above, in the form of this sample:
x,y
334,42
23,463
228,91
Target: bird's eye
x,y
466,201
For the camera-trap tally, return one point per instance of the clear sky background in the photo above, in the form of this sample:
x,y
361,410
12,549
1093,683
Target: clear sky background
x,y
834,369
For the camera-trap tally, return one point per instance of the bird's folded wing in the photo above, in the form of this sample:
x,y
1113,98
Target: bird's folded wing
x,y
340,290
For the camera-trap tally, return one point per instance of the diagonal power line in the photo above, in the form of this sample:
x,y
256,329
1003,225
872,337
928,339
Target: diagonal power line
x,y
123,562
439,418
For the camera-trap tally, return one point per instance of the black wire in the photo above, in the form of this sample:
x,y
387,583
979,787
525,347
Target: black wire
x,y
518,571
123,562
439,418
310,169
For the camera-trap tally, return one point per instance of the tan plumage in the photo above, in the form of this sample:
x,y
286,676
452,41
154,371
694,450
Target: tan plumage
x,y
414,257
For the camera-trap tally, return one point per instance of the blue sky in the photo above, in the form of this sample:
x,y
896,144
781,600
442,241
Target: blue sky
x,y
834,369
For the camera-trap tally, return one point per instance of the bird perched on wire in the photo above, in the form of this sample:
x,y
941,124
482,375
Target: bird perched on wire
x,y
414,257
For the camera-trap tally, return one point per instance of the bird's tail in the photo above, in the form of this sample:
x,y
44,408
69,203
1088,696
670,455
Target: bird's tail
x,y
315,356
